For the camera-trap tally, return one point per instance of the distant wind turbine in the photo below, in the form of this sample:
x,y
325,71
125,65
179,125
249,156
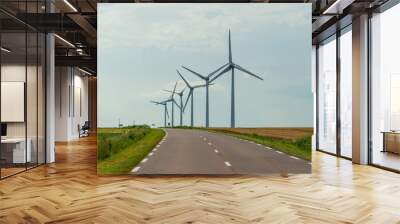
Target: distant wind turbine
x,y
163,103
208,81
180,94
231,67
172,100
190,95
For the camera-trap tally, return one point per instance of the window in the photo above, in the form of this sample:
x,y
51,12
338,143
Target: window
x,y
327,95
346,92
385,89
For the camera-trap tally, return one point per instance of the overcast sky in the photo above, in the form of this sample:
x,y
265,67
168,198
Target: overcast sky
x,y
141,45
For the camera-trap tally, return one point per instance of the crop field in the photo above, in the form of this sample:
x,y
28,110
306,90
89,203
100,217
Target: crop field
x,y
281,133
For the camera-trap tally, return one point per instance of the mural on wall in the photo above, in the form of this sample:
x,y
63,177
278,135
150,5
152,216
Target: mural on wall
x,y
204,89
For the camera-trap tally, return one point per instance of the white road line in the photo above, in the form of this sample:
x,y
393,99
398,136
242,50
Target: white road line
x,y
294,157
267,147
144,160
227,163
158,145
216,151
154,149
205,139
135,169
150,154
210,143
259,144
279,152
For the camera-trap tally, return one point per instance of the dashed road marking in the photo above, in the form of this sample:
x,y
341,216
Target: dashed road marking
x,y
150,154
259,144
154,149
205,139
144,160
210,143
294,157
216,151
267,147
136,169
279,152
227,163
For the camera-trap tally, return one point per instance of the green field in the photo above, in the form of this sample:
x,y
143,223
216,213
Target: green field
x,y
121,149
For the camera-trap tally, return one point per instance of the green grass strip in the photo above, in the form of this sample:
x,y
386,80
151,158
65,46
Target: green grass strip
x,y
124,161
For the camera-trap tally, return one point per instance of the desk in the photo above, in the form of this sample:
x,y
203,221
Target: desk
x,y
391,141
13,150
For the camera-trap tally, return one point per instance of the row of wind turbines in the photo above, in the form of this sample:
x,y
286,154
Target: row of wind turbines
x,y
208,81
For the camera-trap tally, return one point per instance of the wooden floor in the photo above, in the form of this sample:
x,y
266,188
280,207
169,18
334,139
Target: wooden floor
x,y
69,191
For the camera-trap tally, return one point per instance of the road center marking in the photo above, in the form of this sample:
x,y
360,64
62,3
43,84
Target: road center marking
x,y
210,143
227,163
145,160
216,151
136,169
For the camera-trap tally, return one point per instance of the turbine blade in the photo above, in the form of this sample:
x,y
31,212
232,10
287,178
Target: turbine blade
x,y
167,90
167,112
221,73
187,99
176,104
154,102
198,86
212,73
245,71
200,76
182,90
173,92
187,83
230,49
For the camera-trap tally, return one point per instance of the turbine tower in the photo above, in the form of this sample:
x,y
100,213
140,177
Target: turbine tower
x,y
163,103
190,95
208,81
172,100
231,67
180,94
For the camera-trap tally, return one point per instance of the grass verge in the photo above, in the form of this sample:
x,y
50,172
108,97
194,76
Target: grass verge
x,y
123,161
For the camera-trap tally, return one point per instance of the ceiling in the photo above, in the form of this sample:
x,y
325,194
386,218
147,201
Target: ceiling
x,y
76,21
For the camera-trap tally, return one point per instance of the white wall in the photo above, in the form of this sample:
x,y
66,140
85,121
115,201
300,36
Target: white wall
x,y
71,94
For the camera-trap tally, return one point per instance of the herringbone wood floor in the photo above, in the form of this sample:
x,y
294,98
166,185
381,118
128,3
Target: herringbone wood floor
x,y
69,191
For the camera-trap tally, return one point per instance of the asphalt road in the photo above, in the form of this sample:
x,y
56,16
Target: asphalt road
x,y
187,152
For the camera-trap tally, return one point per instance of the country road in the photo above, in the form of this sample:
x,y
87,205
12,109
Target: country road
x,y
184,151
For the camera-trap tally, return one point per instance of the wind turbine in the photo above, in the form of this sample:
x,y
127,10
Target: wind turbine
x,y
231,67
180,94
190,95
172,100
164,103
208,81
